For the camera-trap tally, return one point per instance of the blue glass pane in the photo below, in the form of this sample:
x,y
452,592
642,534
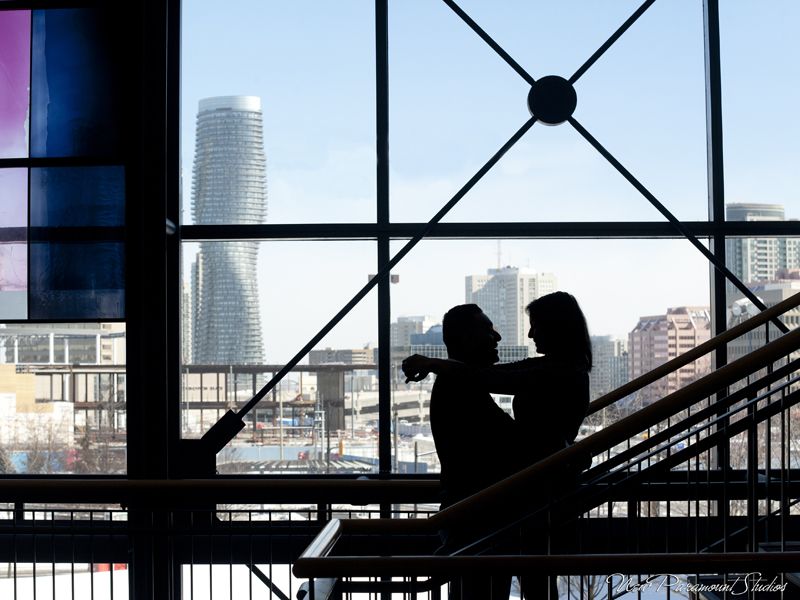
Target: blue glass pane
x,y
77,281
75,100
77,196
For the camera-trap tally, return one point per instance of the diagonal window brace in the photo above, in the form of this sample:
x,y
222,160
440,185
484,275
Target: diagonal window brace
x,y
552,101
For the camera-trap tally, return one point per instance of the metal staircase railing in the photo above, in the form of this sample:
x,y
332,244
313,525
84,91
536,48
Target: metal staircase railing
x,y
638,447
762,318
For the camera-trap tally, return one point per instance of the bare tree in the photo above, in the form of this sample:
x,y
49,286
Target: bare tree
x,y
44,446
6,464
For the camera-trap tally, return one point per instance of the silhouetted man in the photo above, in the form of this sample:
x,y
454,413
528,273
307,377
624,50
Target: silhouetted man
x,y
473,436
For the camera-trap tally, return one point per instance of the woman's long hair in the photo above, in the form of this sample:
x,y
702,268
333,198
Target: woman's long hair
x,y
560,322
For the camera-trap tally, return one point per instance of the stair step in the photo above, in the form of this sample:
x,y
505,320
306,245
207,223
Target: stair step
x,y
792,578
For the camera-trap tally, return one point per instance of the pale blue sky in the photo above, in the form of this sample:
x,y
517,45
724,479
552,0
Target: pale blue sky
x,y
453,102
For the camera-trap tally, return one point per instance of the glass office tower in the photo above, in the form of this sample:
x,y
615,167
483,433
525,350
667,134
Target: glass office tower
x,y
228,186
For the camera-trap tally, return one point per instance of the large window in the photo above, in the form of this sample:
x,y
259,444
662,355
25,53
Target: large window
x,y
287,213
62,242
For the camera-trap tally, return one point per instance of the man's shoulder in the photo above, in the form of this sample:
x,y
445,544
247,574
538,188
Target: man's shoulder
x,y
451,392
450,384
445,382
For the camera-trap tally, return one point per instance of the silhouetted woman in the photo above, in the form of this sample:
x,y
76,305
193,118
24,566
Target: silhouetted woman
x,y
551,392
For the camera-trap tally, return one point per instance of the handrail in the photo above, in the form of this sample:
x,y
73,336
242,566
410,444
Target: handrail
x,y
561,564
325,540
161,492
709,441
693,354
596,497
696,417
622,430
591,445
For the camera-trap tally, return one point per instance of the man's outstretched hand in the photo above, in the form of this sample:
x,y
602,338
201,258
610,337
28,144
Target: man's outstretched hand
x,y
416,367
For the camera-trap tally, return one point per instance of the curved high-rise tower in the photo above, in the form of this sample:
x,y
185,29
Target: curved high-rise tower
x,y
228,187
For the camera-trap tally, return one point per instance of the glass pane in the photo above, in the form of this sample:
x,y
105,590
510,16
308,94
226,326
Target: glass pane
x,y
454,102
62,398
247,310
77,280
13,199
77,196
227,329
15,73
310,65
13,281
13,246
100,581
206,582
502,277
75,95
759,101
770,267
229,177
761,259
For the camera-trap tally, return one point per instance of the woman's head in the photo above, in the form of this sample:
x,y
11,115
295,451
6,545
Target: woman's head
x,y
559,330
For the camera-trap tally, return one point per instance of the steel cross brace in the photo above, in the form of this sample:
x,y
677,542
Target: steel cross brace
x,y
222,432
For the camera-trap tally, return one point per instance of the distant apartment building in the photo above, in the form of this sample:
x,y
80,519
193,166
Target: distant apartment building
x,y
62,385
506,353
503,295
404,327
346,356
228,187
432,337
657,339
755,259
187,318
63,344
787,283
610,365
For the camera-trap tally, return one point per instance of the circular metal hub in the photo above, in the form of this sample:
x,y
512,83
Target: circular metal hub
x,y
552,100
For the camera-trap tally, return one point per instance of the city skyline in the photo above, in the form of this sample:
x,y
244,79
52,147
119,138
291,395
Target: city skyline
x,y
453,102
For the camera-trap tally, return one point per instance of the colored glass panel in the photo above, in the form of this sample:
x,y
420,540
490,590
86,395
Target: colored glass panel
x,y
77,196
13,201
13,246
15,42
77,281
74,95
13,281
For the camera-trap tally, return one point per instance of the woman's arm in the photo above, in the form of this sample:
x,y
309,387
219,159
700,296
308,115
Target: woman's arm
x,y
417,367
505,378
521,376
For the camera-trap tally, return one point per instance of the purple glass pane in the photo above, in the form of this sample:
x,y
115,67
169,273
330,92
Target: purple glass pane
x,y
15,65
13,200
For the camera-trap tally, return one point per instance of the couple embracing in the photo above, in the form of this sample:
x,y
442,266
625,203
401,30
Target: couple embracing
x,y
477,442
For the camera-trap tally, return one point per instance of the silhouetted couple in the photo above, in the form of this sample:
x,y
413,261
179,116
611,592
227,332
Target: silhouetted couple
x,y
477,442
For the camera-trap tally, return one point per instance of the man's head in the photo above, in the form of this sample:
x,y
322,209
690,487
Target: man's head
x,y
470,336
